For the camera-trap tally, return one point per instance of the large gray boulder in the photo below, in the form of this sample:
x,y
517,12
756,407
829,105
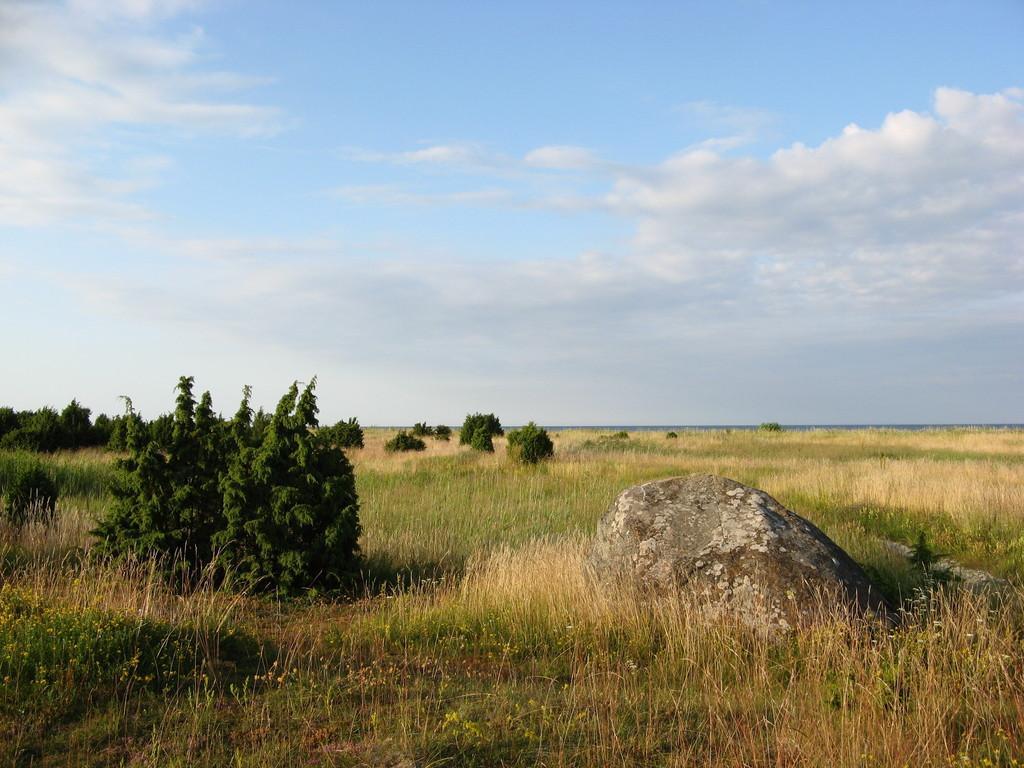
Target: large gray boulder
x,y
754,559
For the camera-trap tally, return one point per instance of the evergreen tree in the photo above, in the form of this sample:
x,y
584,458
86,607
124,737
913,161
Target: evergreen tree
x,y
421,429
344,434
161,429
102,430
276,503
475,421
291,513
260,422
40,430
135,523
76,425
403,441
481,440
119,427
530,444
10,420
168,499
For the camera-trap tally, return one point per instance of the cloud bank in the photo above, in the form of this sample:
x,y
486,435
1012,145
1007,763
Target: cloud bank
x,y
909,230
885,240
72,72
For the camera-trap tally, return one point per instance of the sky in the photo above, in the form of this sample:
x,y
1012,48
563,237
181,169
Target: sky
x,y
575,213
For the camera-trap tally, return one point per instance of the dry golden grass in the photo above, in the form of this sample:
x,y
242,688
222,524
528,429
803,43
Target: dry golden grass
x,y
691,690
483,640
440,506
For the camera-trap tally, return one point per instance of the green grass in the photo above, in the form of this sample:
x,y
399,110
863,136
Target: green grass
x,y
85,474
57,661
479,641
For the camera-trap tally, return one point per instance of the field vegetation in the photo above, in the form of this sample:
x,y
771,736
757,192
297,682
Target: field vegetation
x,y
478,637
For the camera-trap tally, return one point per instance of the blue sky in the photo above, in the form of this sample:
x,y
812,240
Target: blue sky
x,y
588,213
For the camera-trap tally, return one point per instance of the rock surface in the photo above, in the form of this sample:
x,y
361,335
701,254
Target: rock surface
x,y
756,560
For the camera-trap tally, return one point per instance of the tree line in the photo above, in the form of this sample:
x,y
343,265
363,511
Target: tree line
x,y
46,430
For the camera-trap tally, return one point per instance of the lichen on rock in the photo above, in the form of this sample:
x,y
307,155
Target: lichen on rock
x,y
753,559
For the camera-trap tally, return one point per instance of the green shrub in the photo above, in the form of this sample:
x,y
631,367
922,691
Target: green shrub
x,y
161,429
118,439
420,429
30,496
770,426
277,505
481,440
167,499
441,432
10,420
291,514
671,435
474,421
344,434
45,430
530,444
38,431
76,426
102,429
403,441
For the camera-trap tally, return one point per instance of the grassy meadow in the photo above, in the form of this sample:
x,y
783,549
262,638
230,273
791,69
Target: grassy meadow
x,y
480,638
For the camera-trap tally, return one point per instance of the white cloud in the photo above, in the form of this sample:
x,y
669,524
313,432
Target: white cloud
x,y
441,155
391,194
460,156
734,126
475,157
561,157
68,71
923,206
903,235
133,9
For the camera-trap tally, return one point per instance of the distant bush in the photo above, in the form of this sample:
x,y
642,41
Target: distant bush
x,y
420,429
10,420
46,431
119,427
620,435
671,435
37,431
441,432
403,441
102,429
481,440
344,434
76,426
475,421
530,444
161,429
770,426
30,496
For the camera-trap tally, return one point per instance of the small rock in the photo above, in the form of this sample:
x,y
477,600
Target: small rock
x,y
973,579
